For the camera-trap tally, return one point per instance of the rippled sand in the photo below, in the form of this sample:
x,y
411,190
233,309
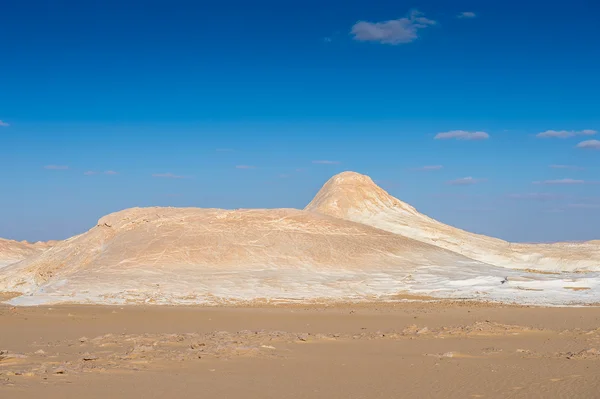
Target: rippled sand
x,y
412,350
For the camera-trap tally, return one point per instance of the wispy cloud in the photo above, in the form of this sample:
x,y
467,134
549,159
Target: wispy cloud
x,y
168,176
284,175
584,206
325,162
462,135
589,144
465,181
245,167
93,172
563,134
561,181
572,167
395,31
536,196
428,168
467,14
4,124
56,167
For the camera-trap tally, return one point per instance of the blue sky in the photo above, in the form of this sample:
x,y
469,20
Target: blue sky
x,y
191,103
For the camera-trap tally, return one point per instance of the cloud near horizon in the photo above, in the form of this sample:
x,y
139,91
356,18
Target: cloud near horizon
x,y
428,168
56,167
394,31
589,144
584,206
536,196
467,14
168,176
93,172
4,124
563,134
325,162
562,181
573,167
462,135
465,181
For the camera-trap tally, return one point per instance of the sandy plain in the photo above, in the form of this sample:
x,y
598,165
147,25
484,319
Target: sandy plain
x,y
444,349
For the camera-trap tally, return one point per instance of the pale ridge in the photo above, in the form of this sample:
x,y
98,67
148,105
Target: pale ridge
x,y
356,197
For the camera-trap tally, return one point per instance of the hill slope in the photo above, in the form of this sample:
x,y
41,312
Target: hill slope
x,y
180,255
15,251
356,197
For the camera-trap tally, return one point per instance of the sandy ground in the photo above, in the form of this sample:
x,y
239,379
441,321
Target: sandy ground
x,y
408,350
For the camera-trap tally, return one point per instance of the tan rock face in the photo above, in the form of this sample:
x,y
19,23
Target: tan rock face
x,y
15,251
356,197
184,251
353,242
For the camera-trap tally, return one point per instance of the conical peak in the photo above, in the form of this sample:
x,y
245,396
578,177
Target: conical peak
x,y
350,193
350,177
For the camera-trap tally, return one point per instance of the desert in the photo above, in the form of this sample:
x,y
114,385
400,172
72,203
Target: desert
x,y
299,200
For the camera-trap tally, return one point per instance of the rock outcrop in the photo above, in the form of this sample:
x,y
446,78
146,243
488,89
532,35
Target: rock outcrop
x,y
354,241
356,197
15,251
170,254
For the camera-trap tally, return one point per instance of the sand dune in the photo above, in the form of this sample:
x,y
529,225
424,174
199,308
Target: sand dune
x,y
356,197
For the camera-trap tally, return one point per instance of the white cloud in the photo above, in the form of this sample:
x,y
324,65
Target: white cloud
x,y
462,135
325,162
467,14
561,181
536,196
56,167
108,172
245,167
395,31
590,144
584,206
572,167
429,168
168,176
465,181
563,134
4,124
